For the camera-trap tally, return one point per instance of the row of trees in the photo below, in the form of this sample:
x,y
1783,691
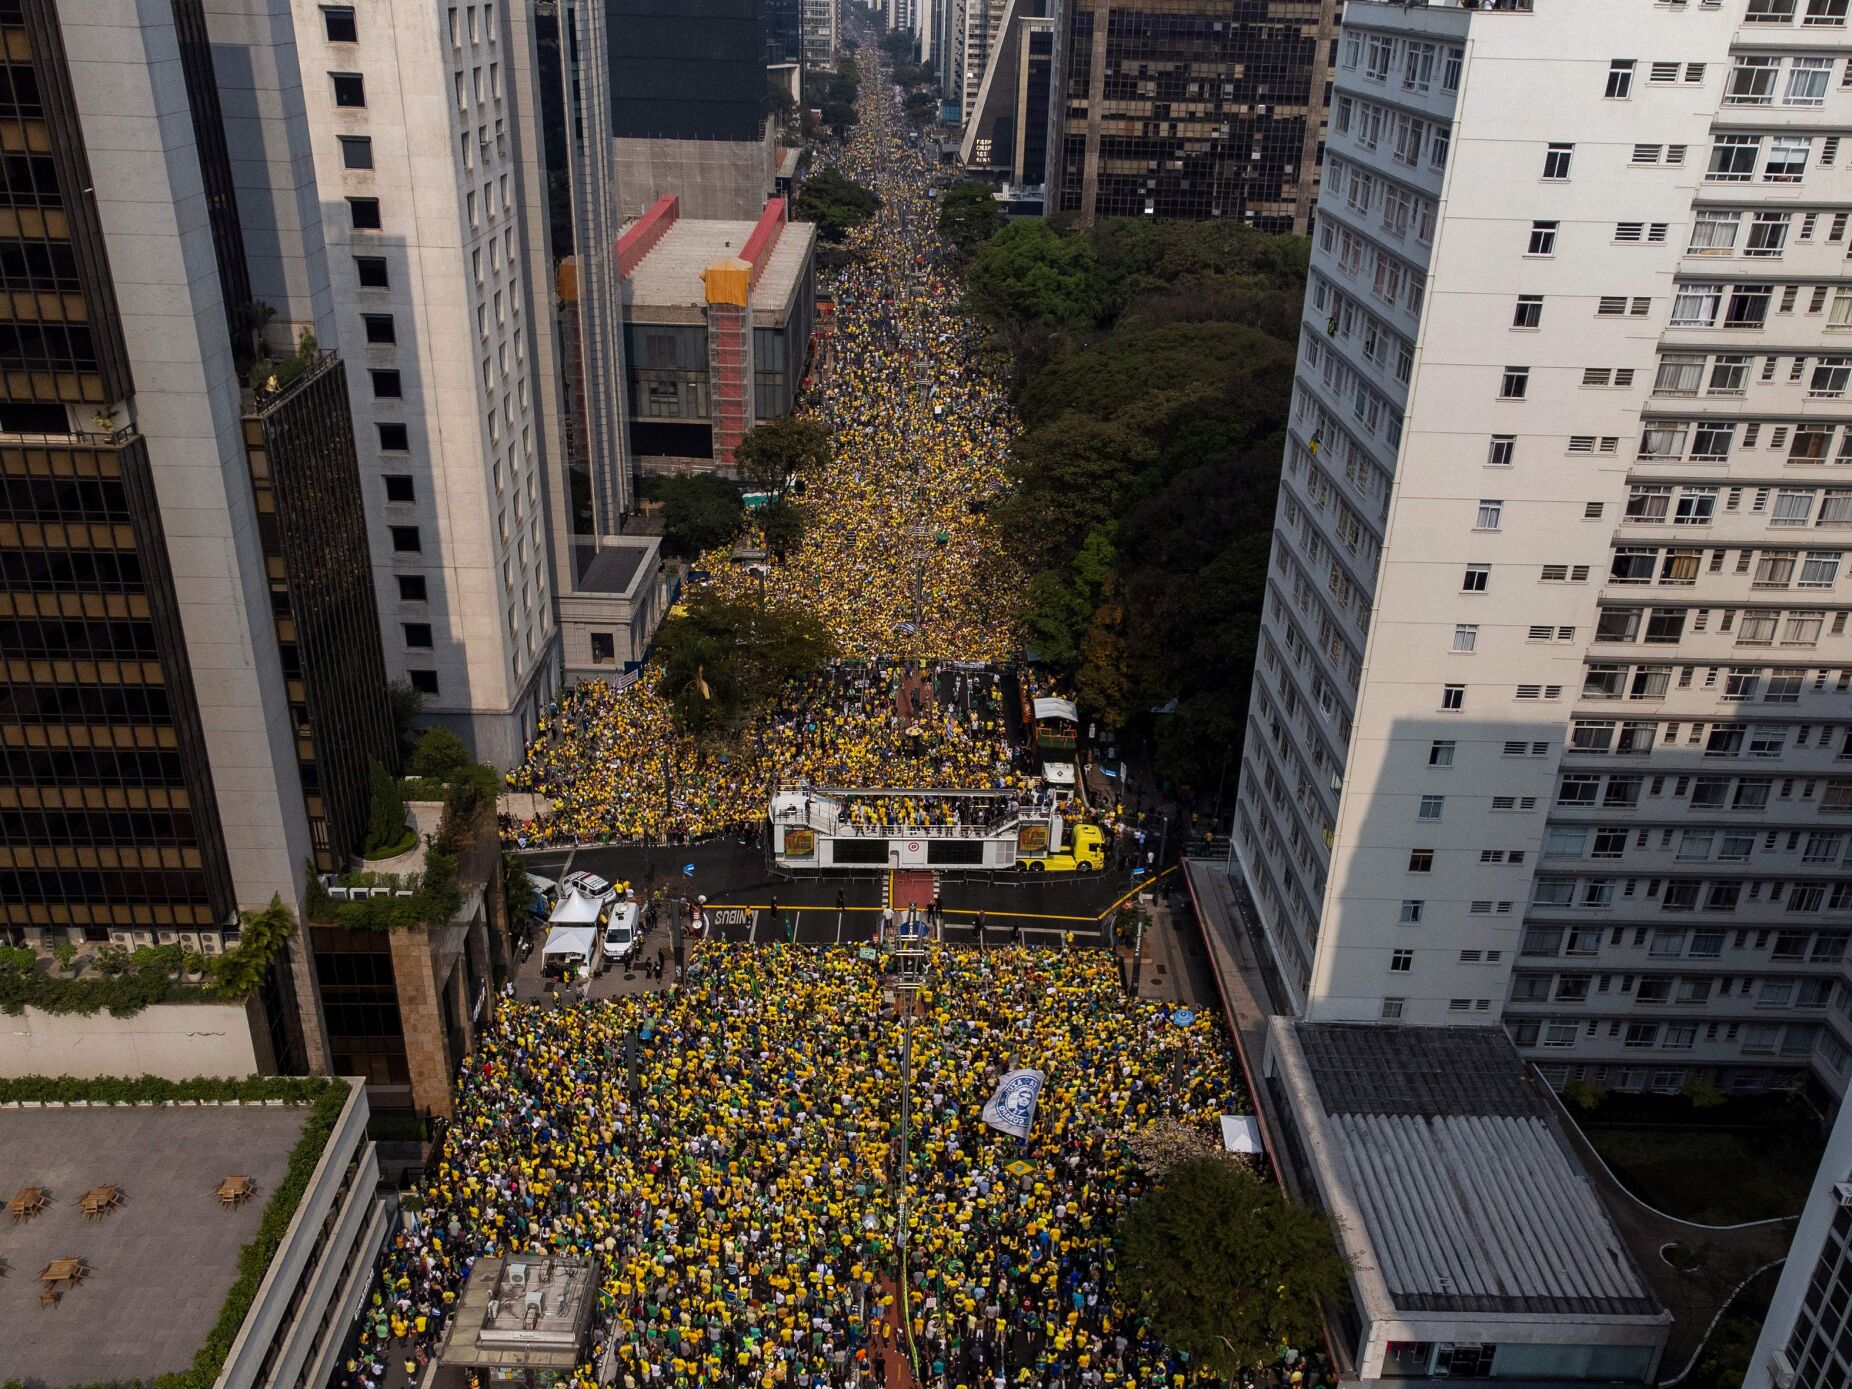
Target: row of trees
x,y
1152,362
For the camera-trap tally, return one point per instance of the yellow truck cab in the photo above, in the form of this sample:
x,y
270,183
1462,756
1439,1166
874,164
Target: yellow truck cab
x,y
1085,852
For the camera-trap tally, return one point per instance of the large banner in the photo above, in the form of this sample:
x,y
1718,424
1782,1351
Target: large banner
x,y
800,843
1012,1109
1032,839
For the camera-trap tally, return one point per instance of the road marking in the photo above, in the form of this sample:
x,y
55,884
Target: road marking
x,y
839,914
752,931
797,924
1140,887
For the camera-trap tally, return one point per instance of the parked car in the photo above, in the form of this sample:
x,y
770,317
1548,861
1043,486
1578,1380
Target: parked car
x,y
622,933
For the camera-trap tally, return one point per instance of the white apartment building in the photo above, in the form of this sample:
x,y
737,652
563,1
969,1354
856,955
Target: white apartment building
x,y
427,160
1551,717
819,21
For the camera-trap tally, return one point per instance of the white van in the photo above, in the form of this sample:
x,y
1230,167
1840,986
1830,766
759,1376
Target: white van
x,y
622,932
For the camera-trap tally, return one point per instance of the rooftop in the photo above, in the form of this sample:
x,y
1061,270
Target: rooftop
x,y
523,1310
159,1266
669,276
1470,1196
612,567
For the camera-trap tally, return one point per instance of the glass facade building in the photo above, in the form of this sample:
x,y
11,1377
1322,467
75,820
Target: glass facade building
x,y
1190,108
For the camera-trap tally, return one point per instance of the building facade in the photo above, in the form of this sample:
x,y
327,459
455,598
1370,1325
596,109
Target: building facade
x,y
1550,714
1006,122
425,150
1185,108
192,696
1803,1342
820,20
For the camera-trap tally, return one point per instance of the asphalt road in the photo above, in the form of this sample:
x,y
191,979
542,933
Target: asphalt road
x,y
830,910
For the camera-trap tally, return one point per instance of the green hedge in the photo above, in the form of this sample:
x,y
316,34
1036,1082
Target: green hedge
x,y
128,1089
125,983
327,1097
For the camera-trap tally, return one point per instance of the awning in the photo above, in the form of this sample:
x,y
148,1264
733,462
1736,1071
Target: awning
x,y
1057,709
570,940
1241,1133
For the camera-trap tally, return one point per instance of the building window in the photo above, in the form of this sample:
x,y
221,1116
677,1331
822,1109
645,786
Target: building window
x,y
1411,911
406,540
417,635
399,487
379,327
1392,1009
338,24
411,588
1440,752
423,681
604,648
1420,860
1500,452
1401,961
1514,383
1529,313
1620,79
1542,239
350,88
371,272
356,151
364,213
1556,161
387,385
1476,578
1465,636
394,438
1453,697
1490,510
1431,807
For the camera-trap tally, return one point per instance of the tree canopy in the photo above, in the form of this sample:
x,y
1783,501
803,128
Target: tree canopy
x,y
1225,1267
969,214
1154,368
835,203
699,512
783,523
770,453
724,658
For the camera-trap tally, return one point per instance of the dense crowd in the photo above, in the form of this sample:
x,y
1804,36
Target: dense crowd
x,y
614,765
896,561
743,1201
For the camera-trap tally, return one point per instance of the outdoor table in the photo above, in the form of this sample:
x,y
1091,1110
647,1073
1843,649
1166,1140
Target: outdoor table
x,y
27,1202
63,1271
235,1190
99,1201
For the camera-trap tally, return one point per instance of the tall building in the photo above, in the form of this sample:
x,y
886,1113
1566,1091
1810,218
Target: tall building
x,y
1550,717
820,20
1188,108
1006,124
189,650
982,22
686,89
422,126
1803,1343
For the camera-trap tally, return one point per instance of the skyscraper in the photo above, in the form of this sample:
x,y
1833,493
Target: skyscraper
x,y
1183,108
422,125
820,31
189,655
1550,717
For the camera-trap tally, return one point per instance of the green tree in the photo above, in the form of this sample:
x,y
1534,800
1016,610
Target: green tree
x,y
699,512
1029,274
770,453
386,831
783,522
1225,1267
517,889
724,658
439,752
969,214
239,972
834,202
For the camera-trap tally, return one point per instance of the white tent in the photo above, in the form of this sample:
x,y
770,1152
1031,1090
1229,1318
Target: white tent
x,y
1241,1133
576,909
570,940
